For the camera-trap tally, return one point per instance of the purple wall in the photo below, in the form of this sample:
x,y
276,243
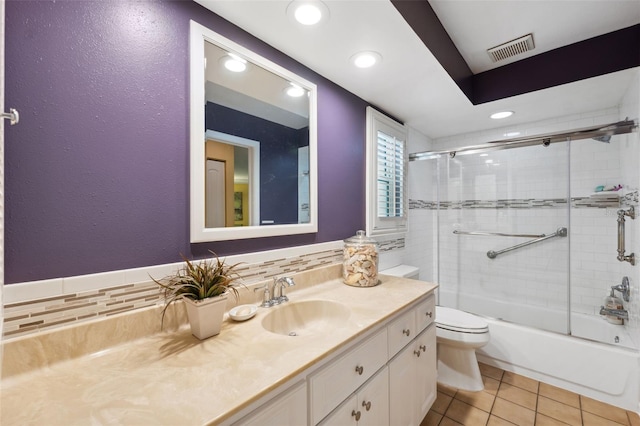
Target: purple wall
x,y
96,173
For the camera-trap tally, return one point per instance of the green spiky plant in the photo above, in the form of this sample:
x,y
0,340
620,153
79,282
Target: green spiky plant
x,y
200,280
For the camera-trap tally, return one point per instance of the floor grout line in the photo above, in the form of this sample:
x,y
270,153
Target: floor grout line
x,y
559,400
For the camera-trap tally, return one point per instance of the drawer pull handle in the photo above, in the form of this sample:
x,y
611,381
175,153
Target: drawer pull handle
x,y
429,314
417,353
406,331
359,370
423,348
356,414
366,405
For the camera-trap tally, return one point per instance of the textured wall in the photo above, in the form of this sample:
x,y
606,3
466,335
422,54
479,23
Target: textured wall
x,y
97,170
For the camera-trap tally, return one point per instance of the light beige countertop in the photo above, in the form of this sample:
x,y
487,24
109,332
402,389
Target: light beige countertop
x,y
172,378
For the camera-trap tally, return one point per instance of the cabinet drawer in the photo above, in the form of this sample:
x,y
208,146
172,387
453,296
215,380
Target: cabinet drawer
x,y
425,313
331,385
401,331
289,408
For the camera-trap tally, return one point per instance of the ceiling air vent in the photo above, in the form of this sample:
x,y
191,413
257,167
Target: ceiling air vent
x,y
511,48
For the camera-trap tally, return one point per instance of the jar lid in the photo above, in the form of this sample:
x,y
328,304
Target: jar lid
x,y
360,238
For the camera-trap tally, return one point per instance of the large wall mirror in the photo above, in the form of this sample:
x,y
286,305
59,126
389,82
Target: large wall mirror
x,y
252,144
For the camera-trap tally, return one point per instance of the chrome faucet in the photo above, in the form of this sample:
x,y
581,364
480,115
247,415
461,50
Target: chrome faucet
x,y
280,284
274,294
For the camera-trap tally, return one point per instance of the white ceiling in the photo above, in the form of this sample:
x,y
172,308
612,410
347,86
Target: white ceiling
x,y
410,83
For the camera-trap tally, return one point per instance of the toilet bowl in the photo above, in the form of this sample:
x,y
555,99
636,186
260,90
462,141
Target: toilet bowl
x,y
458,335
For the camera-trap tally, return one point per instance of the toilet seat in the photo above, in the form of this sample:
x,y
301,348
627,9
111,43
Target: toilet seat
x,y
459,321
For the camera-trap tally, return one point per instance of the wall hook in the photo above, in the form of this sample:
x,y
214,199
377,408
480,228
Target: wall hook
x,y
12,115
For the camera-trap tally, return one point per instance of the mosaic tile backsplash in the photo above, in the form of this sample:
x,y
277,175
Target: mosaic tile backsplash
x,y
23,318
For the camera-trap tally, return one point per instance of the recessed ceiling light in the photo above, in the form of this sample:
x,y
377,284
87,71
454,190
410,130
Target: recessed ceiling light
x,y
295,91
501,115
234,63
308,12
366,59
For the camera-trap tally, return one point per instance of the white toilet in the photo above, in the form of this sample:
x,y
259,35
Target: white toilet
x,y
458,335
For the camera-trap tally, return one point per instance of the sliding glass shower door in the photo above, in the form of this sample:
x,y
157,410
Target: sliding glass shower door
x,y
502,222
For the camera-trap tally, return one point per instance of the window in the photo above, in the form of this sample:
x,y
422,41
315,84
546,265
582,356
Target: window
x,y
386,167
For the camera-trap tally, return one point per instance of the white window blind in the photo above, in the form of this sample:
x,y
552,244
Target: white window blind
x,y
386,181
390,193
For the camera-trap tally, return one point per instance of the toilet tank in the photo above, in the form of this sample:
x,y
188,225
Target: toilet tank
x,y
404,271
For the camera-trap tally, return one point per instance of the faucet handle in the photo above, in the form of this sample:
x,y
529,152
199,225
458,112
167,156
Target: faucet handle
x,y
266,296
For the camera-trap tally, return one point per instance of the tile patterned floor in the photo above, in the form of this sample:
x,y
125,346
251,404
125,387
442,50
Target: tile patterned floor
x,y
510,399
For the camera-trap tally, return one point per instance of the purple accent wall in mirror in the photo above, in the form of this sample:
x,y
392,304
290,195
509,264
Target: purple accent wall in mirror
x,y
96,173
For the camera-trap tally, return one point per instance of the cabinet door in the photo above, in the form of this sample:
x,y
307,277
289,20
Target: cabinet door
x,y
426,372
373,401
412,380
345,415
289,408
402,401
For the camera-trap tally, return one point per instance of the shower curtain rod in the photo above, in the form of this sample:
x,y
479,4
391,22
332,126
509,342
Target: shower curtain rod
x,y
602,131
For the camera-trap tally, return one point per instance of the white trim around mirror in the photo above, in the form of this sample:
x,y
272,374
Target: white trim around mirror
x,y
198,34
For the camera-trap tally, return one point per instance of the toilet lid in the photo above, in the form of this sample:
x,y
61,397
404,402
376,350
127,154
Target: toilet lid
x,y
455,320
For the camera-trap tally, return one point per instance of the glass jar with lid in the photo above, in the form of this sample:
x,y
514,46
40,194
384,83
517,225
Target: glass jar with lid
x,y
360,261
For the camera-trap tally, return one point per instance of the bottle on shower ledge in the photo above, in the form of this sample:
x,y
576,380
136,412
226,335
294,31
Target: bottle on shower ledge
x,y
613,302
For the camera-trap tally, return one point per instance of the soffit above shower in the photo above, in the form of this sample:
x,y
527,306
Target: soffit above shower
x,y
477,25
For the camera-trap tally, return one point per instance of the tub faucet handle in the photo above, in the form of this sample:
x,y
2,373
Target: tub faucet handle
x,y
623,288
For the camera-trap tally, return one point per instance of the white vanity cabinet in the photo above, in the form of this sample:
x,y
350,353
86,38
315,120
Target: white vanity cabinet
x,y
386,378
367,407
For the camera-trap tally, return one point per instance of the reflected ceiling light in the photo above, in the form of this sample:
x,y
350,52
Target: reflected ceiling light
x,y
295,91
235,63
502,114
511,134
308,12
366,59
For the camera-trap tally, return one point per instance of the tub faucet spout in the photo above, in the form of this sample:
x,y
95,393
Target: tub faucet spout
x,y
618,313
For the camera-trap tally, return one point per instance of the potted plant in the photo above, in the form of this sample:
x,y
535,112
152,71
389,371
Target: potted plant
x,y
203,286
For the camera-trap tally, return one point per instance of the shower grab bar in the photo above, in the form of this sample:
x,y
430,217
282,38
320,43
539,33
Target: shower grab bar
x,y
631,258
498,234
560,232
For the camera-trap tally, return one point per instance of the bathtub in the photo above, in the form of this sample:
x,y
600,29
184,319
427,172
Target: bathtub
x,y
605,372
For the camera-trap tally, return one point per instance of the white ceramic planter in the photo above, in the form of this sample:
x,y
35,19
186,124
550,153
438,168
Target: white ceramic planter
x,y
205,316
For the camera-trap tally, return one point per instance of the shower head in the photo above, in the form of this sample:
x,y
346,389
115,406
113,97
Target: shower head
x,y
604,138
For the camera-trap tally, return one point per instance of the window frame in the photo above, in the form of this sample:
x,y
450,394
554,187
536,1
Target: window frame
x,y
377,225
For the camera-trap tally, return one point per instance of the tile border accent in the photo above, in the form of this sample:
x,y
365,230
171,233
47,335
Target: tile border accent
x,y
593,201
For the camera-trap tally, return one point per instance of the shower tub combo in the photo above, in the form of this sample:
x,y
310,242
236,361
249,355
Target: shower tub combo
x,y
496,254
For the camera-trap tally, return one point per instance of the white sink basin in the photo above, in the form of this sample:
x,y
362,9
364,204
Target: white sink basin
x,y
306,317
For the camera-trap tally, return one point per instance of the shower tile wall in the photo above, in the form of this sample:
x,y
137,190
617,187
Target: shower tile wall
x,y
531,184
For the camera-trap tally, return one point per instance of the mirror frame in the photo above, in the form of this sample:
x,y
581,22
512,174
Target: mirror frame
x,y
198,35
